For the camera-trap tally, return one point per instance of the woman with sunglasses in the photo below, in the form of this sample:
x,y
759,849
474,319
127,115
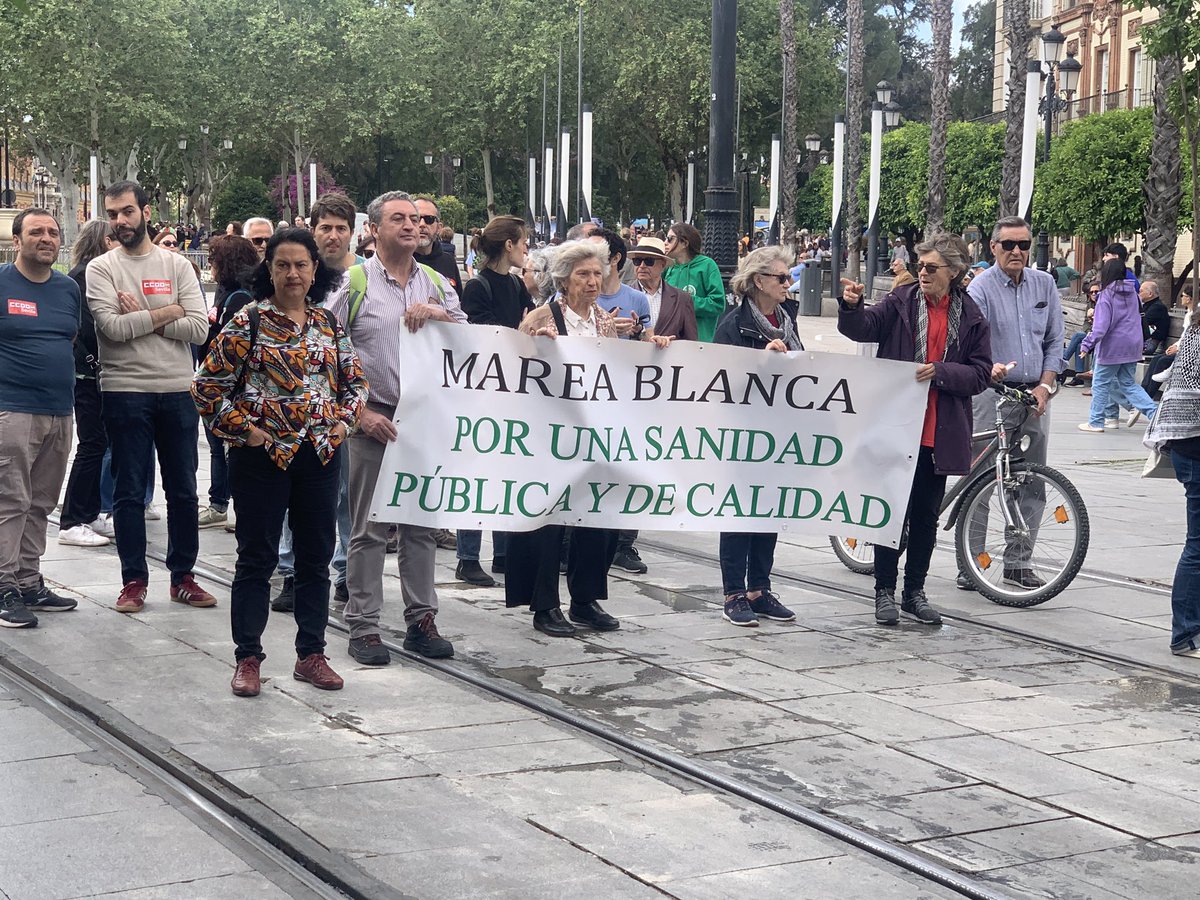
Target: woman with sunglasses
x,y
697,275
935,324
1076,361
763,320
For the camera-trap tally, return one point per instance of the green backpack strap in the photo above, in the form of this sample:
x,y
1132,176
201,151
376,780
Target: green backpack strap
x,y
358,292
436,278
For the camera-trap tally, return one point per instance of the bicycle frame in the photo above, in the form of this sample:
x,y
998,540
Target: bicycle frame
x,y
994,461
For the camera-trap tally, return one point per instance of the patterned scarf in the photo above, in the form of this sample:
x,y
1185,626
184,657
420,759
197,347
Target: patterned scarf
x,y
785,333
1178,415
921,337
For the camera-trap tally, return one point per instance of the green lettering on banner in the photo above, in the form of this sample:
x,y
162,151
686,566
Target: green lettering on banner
x,y
403,487
820,441
522,508
598,495
840,507
691,498
563,503
665,504
634,490
730,501
864,520
460,495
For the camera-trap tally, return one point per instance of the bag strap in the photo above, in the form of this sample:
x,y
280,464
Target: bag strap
x,y
433,275
560,321
358,292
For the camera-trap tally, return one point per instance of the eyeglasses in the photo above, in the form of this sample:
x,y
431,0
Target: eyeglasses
x,y
640,261
168,243
260,241
1013,245
931,268
429,220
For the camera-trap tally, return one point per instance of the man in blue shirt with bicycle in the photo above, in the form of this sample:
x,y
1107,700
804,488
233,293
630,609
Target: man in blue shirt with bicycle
x,y
1025,312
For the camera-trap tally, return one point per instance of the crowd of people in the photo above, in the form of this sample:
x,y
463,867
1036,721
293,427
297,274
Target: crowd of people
x,y
293,372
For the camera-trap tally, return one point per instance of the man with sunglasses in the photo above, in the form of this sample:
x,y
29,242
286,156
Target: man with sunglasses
x,y
1025,312
429,245
258,231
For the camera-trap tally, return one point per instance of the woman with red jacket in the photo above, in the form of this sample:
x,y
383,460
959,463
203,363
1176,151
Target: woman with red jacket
x,y
936,325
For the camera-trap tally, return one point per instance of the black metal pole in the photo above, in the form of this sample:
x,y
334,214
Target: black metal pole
x,y
720,211
4,201
379,165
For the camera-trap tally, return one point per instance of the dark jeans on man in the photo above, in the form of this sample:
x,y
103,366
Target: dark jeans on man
x,y
626,538
1156,365
262,492
531,577
470,543
746,561
218,472
81,503
137,425
1185,589
924,504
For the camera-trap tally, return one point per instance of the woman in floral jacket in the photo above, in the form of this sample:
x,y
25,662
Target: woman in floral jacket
x,y
283,387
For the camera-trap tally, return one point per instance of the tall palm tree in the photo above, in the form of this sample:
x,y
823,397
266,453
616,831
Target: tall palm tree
x,y
942,19
1016,37
787,171
854,107
1163,187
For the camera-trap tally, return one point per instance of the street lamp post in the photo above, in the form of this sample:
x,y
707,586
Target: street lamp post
x,y
885,114
720,213
1051,105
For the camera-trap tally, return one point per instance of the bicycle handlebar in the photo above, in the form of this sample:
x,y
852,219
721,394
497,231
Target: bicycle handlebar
x,y
1017,395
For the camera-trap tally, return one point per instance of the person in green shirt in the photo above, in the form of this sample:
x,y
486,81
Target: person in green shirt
x,y
698,275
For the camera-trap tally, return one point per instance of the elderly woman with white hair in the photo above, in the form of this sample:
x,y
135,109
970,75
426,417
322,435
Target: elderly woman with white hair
x,y
935,324
763,320
532,566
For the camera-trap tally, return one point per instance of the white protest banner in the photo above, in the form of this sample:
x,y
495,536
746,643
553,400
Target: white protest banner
x,y
500,430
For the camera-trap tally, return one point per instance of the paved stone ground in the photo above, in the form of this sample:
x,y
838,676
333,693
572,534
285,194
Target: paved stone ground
x,y
1052,773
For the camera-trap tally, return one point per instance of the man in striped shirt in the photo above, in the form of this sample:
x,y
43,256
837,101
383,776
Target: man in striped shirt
x,y
400,294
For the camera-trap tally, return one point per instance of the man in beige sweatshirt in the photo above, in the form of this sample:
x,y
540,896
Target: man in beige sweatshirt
x,y
149,311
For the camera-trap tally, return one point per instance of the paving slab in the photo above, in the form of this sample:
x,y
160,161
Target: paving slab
x,y
1019,844
816,879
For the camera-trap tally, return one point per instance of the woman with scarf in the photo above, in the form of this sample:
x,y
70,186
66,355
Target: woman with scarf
x,y
1175,431
761,321
1116,336
936,325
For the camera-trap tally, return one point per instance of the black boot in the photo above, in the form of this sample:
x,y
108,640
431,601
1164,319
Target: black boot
x,y
471,572
285,600
551,622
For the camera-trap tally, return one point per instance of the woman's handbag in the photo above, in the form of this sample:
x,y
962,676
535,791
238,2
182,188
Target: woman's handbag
x,y
1158,465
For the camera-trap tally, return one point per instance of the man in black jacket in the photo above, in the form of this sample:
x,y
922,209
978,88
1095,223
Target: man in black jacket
x,y
429,245
1156,320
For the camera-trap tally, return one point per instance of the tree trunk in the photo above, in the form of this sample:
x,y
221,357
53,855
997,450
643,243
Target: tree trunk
x,y
854,141
787,168
1016,35
62,161
676,185
1163,187
299,160
1192,130
488,189
942,14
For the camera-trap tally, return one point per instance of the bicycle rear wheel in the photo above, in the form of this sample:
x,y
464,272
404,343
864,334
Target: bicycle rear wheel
x,y
1038,556
856,555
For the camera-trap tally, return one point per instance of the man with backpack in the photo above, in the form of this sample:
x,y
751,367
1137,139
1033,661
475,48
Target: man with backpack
x,y
390,291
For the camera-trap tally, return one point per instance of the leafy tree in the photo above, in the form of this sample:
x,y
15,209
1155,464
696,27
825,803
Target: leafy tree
x,y
814,200
971,88
453,212
976,154
1091,186
242,199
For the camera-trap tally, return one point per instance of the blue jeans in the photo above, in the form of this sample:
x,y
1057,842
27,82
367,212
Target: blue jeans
x,y
218,471
138,425
1112,383
469,543
746,561
1072,351
106,481
1185,590
287,556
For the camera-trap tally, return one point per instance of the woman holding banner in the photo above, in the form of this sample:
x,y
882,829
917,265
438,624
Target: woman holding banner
x,y
935,324
578,269
761,321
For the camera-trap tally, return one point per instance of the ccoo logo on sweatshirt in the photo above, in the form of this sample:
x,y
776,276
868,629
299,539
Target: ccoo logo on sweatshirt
x,y
156,286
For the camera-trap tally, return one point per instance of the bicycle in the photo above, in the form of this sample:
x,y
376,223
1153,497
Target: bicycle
x,y
1003,488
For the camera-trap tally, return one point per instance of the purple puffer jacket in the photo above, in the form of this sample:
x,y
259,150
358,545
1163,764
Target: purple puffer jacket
x,y
1116,333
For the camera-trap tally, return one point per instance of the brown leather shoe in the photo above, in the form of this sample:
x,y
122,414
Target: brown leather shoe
x,y
246,681
314,669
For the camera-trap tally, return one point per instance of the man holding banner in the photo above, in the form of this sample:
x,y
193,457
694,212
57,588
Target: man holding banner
x,y
400,294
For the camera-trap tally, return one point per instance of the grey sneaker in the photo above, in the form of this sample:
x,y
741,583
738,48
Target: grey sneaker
x,y
14,613
916,606
211,517
885,607
43,599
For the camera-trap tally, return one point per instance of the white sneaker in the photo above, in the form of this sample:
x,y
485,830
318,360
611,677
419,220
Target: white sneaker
x,y
104,525
1133,417
1111,423
1094,429
1162,376
81,536
153,513
211,517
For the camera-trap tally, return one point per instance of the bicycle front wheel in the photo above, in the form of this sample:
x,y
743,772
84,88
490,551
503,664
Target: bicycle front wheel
x,y
856,555
1036,556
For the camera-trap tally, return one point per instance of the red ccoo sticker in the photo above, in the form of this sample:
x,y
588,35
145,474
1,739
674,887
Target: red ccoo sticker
x,y
22,307
159,286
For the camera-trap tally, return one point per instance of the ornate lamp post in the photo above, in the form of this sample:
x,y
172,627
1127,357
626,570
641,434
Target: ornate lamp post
x,y
1052,104
721,214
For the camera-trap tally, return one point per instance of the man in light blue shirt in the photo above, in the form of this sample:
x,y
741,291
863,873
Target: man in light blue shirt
x,y
1025,312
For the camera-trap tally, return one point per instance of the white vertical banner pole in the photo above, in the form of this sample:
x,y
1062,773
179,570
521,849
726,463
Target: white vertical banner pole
x,y
548,193
585,153
564,181
1033,90
312,184
773,202
94,185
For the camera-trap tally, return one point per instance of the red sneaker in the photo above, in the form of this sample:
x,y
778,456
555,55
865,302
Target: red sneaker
x,y
246,681
187,591
132,597
314,669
